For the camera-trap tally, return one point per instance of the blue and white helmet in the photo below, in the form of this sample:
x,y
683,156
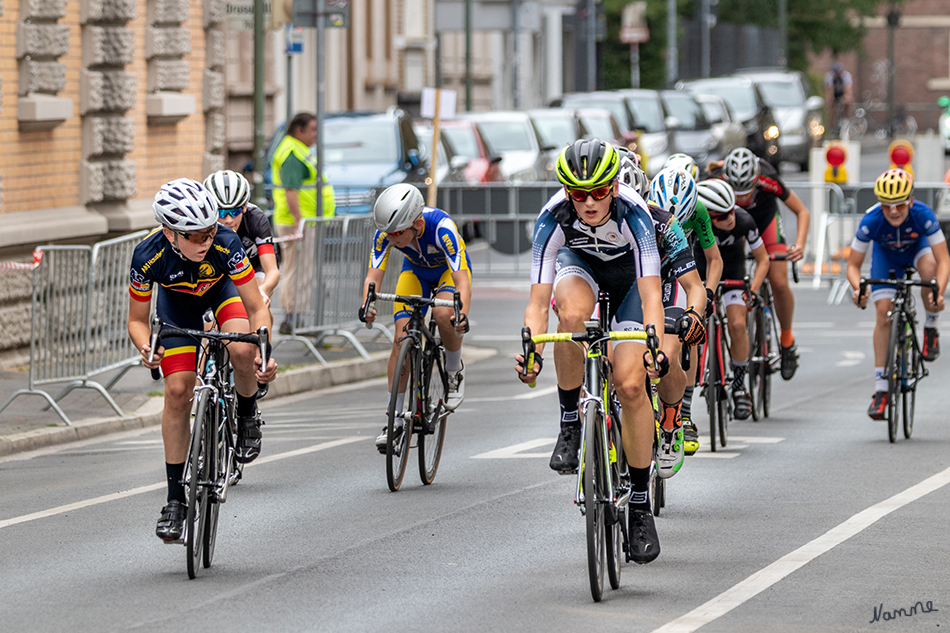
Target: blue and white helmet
x,y
685,162
185,205
675,191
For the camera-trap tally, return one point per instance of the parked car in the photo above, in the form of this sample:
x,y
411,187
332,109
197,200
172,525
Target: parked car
x,y
656,139
558,127
449,166
365,152
797,112
746,101
692,134
725,126
467,139
513,134
606,100
601,124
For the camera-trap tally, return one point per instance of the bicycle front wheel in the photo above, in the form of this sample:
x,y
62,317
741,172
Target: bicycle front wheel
x,y
912,367
722,402
401,419
594,476
895,353
220,471
758,365
197,489
620,477
711,389
432,434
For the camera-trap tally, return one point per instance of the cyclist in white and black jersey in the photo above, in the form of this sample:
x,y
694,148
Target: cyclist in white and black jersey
x,y
600,238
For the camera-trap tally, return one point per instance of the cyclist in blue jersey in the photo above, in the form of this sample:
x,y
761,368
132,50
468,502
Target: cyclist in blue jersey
x,y
599,236
435,263
903,232
197,265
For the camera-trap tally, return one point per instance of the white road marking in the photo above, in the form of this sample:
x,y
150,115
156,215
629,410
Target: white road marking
x,y
765,578
851,359
42,514
515,450
531,395
710,455
748,439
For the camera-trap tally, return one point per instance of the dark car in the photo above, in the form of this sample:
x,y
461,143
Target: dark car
x,y
601,124
365,152
745,99
692,133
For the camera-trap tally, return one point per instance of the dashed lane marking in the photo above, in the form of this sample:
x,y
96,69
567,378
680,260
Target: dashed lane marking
x,y
517,450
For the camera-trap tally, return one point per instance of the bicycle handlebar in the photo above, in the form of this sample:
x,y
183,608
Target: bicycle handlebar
x,y
413,300
898,283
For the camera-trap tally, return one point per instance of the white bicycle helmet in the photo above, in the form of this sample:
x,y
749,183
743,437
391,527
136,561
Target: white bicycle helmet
x,y
717,195
630,173
684,162
741,170
675,191
230,189
397,208
185,205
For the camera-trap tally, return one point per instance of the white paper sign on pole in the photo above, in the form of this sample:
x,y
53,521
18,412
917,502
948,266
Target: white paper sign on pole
x,y
446,104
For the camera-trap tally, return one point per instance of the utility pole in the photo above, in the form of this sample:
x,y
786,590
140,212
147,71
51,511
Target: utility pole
x,y
516,36
671,59
893,20
321,89
468,55
592,46
783,32
704,38
259,197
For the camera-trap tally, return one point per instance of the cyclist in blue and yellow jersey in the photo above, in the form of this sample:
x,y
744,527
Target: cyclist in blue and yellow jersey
x,y
197,264
904,232
435,263
594,236
758,189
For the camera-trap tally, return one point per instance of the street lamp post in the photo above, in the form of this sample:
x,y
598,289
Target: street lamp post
x,y
893,20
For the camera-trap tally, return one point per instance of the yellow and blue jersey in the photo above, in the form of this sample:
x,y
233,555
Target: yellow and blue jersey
x,y
439,244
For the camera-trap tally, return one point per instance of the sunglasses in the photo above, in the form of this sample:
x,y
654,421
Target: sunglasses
x,y
199,237
223,213
900,206
719,217
397,233
580,195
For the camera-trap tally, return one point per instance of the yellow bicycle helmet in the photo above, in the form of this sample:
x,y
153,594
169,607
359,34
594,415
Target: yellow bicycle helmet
x,y
894,185
588,164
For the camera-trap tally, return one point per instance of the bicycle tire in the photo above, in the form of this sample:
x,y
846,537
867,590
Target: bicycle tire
x,y
892,367
397,449
432,434
195,516
912,370
593,479
223,454
723,403
614,536
711,390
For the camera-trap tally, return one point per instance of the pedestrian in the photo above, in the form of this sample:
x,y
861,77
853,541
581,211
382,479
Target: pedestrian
x,y
839,96
295,197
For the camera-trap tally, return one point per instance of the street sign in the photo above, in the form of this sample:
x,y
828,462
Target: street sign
x,y
336,12
447,102
240,14
633,24
293,39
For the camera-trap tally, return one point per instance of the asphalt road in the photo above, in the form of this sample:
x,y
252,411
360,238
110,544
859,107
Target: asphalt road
x,y
809,521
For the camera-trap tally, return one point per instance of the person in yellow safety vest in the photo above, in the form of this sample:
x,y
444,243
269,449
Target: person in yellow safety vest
x,y
295,198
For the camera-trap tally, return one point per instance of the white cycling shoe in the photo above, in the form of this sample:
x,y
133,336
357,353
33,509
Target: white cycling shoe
x,y
456,393
669,458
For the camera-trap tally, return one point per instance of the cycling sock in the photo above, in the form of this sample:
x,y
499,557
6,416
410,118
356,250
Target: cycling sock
x,y
687,403
931,320
738,374
246,406
569,399
176,489
787,338
670,419
880,382
400,399
453,360
640,488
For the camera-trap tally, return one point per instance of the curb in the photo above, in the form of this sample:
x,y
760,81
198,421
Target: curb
x,y
150,414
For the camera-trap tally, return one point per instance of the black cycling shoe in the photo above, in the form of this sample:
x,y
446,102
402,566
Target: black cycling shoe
x,y
789,361
248,439
878,408
742,405
564,458
931,350
171,523
644,543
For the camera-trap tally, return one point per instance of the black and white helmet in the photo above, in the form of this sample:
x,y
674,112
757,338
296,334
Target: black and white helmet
x,y
717,195
630,173
397,208
185,205
741,170
230,189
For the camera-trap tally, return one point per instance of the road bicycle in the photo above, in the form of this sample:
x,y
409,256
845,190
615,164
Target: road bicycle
x,y
420,374
904,366
211,467
603,480
872,116
764,337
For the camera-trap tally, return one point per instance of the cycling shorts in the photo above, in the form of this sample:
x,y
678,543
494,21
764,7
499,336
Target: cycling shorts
x,y
733,297
425,282
674,301
625,314
185,311
884,262
773,234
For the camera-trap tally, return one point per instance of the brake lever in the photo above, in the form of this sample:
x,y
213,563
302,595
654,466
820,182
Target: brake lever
x,y
154,338
528,347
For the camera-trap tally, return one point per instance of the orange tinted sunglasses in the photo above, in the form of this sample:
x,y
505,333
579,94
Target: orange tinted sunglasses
x,y
580,195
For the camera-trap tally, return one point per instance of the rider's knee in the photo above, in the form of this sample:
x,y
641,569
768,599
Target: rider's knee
x,y
177,389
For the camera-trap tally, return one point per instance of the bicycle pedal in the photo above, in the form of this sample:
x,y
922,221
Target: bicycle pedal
x,y
567,472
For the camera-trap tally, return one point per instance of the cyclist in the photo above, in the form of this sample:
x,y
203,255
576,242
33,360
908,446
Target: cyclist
x,y
839,95
197,265
684,162
758,190
734,228
904,232
630,172
696,225
232,193
436,263
600,237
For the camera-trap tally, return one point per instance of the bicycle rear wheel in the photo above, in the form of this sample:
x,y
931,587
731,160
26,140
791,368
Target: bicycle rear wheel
x,y
758,365
711,389
594,499
223,454
432,434
397,447
722,403
895,354
197,490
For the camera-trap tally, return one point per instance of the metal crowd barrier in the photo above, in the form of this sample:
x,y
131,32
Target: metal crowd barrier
x,y
331,267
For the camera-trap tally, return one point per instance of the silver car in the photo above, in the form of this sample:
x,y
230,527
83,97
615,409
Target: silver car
x,y
513,135
656,138
723,121
692,134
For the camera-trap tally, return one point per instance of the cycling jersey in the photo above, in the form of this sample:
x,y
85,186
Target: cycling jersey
x,y
732,246
763,207
256,236
700,225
